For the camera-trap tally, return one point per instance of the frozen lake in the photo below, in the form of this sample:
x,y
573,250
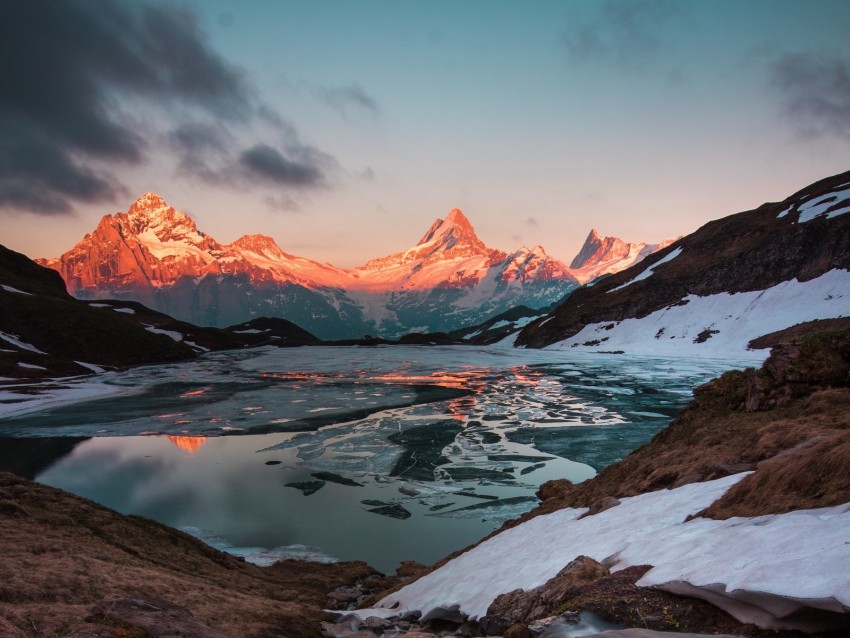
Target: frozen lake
x,y
380,454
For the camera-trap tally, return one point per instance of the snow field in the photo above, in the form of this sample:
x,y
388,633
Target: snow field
x,y
732,319
758,569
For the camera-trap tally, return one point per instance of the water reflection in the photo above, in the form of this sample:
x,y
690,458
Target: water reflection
x,y
189,444
379,454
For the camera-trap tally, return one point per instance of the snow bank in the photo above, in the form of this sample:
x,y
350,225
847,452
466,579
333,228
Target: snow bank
x,y
760,569
720,325
13,339
648,272
15,290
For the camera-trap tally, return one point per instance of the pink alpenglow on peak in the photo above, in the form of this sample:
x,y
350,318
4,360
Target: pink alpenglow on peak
x,y
450,279
607,255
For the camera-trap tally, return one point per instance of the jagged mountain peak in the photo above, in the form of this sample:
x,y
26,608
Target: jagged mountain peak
x,y
451,237
597,248
151,212
257,243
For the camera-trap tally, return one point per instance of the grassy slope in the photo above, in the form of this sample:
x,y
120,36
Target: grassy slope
x,y
62,554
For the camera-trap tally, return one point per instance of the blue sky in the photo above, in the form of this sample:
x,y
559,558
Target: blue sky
x,y
343,129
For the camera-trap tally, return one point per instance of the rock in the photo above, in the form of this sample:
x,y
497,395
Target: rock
x,y
376,624
155,617
539,626
469,630
520,606
344,631
636,632
494,624
601,505
342,596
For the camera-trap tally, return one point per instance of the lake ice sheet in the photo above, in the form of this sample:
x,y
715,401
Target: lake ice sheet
x,y
380,454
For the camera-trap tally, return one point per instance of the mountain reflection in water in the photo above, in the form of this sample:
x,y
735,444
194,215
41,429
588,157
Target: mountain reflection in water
x,y
380,454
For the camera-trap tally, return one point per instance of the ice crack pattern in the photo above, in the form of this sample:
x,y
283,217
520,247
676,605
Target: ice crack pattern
x,y
414,451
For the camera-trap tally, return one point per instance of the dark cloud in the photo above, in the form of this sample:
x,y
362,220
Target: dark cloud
x,y
531,221
268,164
627,32
79,82
815,91
347,99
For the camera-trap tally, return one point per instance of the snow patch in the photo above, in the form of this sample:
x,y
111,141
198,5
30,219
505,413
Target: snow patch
x,y
30,366
170,333
721,325
13,339
758,569
91,366
818,206
126,311
648,272
15,290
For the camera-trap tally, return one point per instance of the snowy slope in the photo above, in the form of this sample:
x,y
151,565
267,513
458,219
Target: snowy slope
x,y
708,294
760,570
720,325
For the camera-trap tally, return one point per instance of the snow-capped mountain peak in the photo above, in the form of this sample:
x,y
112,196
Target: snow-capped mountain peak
x,y
602,255
156,255
262,245
451,237
152,219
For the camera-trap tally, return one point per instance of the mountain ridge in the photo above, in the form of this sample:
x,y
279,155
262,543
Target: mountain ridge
x,y
738,277
450,279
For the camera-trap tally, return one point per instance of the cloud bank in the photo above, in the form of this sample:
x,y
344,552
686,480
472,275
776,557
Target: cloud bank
x,y
88,86
815,91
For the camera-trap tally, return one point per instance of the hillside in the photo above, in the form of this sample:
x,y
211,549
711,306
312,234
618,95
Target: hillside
x,y
62,555
46,333
710,293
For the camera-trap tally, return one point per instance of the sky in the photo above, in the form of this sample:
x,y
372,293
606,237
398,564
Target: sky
x,y
343,129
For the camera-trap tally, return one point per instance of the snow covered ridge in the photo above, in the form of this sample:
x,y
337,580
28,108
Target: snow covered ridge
x,y
766,570
450,279
720,325
830,205
648,272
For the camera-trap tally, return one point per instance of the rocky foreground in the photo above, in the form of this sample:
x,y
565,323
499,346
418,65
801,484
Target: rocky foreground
x,y
779,436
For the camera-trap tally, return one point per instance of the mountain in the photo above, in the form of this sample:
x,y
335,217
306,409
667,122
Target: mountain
x,y
607,255
44,332
156,255
712,292
450,279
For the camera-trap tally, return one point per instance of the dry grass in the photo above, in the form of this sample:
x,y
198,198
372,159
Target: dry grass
x,y
62,554
789,422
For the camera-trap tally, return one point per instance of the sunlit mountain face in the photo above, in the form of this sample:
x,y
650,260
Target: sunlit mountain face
x,y
450,279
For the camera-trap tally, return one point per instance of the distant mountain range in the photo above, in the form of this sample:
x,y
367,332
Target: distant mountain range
x,y
712,292
155,254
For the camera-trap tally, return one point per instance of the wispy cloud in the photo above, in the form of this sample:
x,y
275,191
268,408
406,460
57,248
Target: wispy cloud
x,y
629,33
815,91
85,87
349,100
